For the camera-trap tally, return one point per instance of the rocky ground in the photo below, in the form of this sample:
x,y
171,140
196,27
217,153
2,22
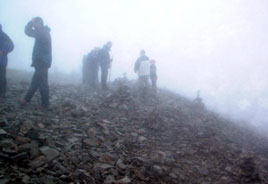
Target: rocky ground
x,y
119,137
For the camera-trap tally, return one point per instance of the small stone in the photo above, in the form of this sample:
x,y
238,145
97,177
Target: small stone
x,y
4,181
92,142
26,126
91,132
120,164
124,180
39,161
8,146
40,125
109,179
101,166
141,139
3,132
106,158
113,105
26,179
203,171
47,179
72,139
123,107
22,140
20,157
172,175
157,169
32,148
50,153
134,134
228,169
3,122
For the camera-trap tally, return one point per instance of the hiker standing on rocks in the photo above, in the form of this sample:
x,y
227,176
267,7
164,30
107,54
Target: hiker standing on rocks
x,y
6,46
41,59
105,63
153,75
93,68
84,70
142,68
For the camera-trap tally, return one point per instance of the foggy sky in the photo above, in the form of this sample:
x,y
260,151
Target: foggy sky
x,y
216,46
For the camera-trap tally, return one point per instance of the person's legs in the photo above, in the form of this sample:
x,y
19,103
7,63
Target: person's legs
x,y
154,83
34,85
43,87
146,85
143,85
3,81
104,76
95,76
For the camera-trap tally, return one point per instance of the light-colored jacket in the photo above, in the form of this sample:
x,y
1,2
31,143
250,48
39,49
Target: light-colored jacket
x,y
144,68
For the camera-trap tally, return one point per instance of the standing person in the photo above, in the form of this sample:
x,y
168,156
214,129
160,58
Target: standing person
x,y
84,70
41,59
6,46
94,68
153,75
142,67
105,63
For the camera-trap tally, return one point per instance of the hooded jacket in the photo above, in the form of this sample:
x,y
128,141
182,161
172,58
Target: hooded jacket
x,y
6,46
42,56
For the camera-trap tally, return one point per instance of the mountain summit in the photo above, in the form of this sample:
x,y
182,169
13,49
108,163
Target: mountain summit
x,y
121,137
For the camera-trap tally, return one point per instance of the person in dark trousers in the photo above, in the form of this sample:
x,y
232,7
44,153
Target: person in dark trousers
x,y
105,63
153,75
93,64
41,59
6,46
84,70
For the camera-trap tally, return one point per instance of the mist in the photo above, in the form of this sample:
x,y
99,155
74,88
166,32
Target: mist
x,y
215,46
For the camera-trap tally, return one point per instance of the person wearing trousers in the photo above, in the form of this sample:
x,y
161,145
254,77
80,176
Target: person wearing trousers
x,y
6,46
41,60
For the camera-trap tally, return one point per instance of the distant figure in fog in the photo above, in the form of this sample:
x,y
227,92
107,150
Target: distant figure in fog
x,y
105,63
93,68
84,70
41,60
6,46
142,68
153,75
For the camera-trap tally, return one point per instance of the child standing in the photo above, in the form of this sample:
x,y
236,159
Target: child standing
x,y
153,75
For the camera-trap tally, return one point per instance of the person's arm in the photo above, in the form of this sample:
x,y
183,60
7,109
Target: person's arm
x,y
8,45
29,29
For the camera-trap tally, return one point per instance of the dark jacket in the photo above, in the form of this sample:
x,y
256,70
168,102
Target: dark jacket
x,y
42,56
137,63
6,46
93,59
104,56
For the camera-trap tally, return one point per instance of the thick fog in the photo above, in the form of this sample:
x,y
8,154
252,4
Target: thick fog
x,y
219,47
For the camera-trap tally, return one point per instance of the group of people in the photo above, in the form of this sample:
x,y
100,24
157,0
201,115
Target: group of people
x,y
42,58
98,57
144,67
